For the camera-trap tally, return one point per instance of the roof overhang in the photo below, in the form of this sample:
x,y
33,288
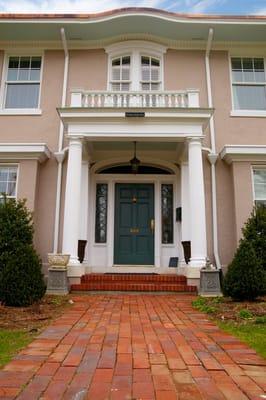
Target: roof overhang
x,y
169,124
24,151
130,21
233,153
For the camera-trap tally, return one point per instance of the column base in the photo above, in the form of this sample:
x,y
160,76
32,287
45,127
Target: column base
x,y
197,262
193,272
75,270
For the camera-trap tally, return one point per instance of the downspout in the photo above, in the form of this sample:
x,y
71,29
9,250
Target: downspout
x,y
60,155
212,156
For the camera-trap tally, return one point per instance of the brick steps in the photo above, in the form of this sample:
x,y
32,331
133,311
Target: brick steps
x,y
133,278
134,282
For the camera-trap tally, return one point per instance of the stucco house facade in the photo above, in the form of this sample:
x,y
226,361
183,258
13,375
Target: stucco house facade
x,y
138,131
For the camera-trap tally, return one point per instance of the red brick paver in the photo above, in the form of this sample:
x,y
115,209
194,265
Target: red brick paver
x,y
134,347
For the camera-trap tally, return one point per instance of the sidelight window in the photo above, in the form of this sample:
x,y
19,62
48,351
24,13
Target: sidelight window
x,y
101,213
167,213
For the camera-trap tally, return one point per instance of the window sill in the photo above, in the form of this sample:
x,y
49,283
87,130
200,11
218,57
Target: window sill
x,y
248,113
21,111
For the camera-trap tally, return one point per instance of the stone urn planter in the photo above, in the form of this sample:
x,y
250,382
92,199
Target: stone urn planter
x,y
57,283
58,261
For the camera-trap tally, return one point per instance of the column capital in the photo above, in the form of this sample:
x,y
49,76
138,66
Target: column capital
x,y
75,139
195,139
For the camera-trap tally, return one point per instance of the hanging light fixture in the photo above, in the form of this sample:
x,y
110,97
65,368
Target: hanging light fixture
x,y
135,162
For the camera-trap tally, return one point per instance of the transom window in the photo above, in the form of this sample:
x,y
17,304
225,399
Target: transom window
x,y
259,179
249,83
8,181
150,73
121,73
23,82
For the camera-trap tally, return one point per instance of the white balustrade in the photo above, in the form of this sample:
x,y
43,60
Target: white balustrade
x,y
152,99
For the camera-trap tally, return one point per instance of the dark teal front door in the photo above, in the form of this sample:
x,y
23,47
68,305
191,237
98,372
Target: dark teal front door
x,y
134,224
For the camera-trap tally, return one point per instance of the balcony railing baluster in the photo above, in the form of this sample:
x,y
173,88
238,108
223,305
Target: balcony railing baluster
x,y
153,99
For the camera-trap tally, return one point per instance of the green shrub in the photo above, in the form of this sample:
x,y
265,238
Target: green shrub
x,y
245,278
245,314
21,279
16,228
255,232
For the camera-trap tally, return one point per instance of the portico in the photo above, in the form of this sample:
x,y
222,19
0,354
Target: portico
x,y
100,145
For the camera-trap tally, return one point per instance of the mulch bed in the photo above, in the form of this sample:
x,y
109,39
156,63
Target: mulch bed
x,y
225,309
35,317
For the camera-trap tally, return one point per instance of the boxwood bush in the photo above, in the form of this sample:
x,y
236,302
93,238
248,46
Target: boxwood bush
x,y
245,278
21,278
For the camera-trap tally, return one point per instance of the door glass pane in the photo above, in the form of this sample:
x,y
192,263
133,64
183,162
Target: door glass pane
x,y
101,213
167,213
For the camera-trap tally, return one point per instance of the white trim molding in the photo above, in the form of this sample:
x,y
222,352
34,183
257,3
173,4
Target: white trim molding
x,y
24,151
232,153
21,111
154,49
248,113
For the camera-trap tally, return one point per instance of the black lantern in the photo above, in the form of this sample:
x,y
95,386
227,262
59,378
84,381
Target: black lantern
x,y
135,162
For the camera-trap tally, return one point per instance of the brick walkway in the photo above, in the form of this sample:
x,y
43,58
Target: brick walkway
x,y
125,347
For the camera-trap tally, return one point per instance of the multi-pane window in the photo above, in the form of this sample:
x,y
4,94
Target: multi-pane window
x,y
150,73
120,78
259,179
167,213
101,213
249,83
8,181
23,82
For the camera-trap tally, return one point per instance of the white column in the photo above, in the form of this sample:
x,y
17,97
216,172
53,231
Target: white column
x,y
72,200
197,205
84,206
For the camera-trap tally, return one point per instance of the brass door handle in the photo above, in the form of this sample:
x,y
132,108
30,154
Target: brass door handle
x,y
134,230
152,225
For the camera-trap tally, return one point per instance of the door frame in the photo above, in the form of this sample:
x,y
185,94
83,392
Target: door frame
x,y
111,180
115,220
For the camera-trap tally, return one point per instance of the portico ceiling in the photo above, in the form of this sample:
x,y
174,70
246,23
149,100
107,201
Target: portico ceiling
x,y
130,21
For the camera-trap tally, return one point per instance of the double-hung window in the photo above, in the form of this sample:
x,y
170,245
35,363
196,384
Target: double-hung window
x,y
120,75
259,182
8,181
249,83
22,87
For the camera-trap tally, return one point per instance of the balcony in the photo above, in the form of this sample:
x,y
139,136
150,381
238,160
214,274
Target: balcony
x,y
145,99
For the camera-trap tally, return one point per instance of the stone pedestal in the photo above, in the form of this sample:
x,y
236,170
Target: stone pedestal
x,y
210,283
58,283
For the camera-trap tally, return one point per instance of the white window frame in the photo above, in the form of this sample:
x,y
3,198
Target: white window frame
x,y
238,112
12,165
253,169
135,49
160,71
111,81
19,111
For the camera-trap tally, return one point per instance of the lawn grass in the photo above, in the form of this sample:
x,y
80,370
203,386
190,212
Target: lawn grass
x,y
253,334
246,320
11,341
